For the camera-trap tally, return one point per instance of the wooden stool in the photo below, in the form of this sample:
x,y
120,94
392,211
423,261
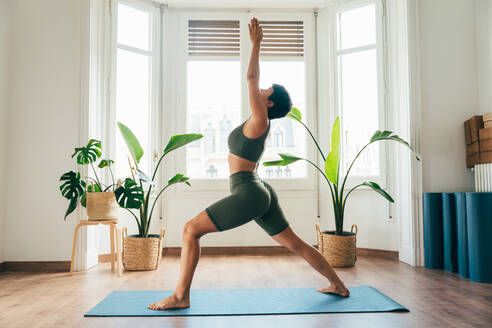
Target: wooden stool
x,y
113,230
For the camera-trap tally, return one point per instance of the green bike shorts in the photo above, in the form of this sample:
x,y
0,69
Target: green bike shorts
x,y
251,199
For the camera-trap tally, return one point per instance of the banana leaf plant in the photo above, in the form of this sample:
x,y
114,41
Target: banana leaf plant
x,y
74,187
130,195
331,170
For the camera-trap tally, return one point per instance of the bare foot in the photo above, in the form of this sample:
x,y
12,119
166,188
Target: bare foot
x,y
171,302
332,289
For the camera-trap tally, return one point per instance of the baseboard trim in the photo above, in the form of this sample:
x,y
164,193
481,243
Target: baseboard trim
x,y
385,254
273,250
104,258
37,266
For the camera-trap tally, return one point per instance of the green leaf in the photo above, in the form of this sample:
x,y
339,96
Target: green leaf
x,y
72,186
129,195
71,207
83,199
88,154
177,179
142,176
180,140
105,163
374,186
131,142
96,188
286,160
333,160
388,135
295,114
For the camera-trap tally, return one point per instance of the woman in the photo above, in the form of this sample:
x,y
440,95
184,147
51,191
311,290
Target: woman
x,y
251,198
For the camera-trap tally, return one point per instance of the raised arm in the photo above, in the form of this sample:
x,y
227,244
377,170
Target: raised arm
x,y
259,110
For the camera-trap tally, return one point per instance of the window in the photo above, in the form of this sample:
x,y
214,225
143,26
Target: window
x,y
216,86
133,80
213,94
359,86
286,136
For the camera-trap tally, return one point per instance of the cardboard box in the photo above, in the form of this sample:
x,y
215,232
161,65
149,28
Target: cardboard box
x,y
487,124
472,148
471,160
486,157
485,145
472,126
487,117
485,133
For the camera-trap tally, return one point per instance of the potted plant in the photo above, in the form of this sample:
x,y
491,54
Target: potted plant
x,y
92,194
338,246
142,251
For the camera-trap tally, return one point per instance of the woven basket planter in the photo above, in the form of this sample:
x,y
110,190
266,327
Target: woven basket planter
x,y
142,254
102,206
339,251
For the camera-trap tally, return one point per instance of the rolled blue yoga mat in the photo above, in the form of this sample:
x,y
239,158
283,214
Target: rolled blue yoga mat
x,y
449,232
461,234
222,302
479,227
433,230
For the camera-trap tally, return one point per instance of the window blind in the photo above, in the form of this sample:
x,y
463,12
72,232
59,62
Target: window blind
x,y
282,38
213,38
221,38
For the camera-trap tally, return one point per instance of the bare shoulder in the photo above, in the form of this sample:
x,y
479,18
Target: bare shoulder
x,y
254,126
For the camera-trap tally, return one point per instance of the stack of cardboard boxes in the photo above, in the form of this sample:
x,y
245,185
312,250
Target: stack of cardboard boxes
x,y
478,137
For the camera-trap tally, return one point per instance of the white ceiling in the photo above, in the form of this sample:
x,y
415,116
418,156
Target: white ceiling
x,y
246,3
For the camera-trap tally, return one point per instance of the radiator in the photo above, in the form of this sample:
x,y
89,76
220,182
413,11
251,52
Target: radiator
x,y
483,177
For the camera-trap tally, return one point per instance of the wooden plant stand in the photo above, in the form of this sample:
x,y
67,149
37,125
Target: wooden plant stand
x,y
113,231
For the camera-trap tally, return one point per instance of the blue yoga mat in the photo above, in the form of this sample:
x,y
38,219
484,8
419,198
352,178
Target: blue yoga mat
x,y
208,302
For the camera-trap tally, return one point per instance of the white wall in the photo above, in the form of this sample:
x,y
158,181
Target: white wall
x,y
43,127
449,91
484,54
4,72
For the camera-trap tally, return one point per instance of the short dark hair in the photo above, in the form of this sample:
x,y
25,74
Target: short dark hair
x,y
281,102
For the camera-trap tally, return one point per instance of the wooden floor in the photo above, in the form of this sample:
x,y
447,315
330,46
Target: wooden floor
x,y
435,298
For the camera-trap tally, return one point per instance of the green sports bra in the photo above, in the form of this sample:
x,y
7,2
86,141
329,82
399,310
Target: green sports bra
x,y
248,148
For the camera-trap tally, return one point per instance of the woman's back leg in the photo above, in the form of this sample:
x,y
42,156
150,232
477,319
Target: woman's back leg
x,y
276,225
290,240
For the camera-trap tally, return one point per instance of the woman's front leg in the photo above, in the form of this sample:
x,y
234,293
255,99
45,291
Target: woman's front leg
x,y
190,253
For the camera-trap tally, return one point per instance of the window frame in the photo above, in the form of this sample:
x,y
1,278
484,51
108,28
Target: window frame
x,y
334,57
155,97
204,184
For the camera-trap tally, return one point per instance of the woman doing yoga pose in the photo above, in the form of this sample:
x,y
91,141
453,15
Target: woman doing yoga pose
x,y
251,198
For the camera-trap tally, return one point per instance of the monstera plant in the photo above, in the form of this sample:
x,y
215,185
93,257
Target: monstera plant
x,y
131,195
331,170
74,187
